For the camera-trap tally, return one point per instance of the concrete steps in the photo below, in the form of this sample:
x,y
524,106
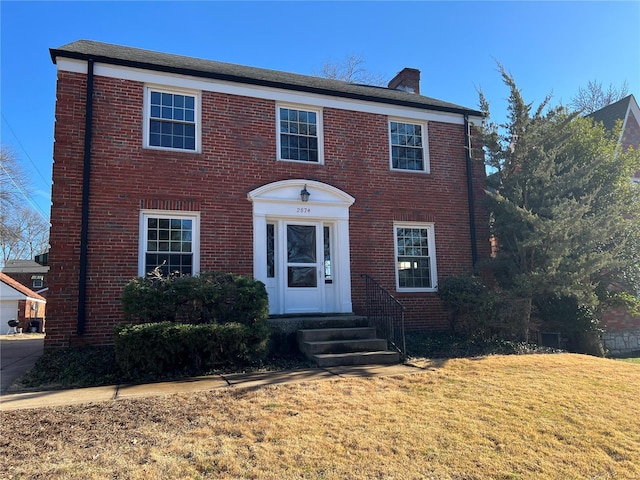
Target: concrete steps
x,y
344,344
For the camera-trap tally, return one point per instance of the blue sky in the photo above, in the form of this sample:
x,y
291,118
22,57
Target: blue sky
x,y
549,47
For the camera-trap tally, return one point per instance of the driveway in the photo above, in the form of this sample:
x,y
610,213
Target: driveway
x,y
18,353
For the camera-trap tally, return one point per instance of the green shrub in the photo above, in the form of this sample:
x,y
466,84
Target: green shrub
x,y
165,347
211,297
469,304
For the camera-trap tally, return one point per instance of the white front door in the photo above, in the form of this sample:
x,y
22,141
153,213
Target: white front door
x,y
301,249
304,268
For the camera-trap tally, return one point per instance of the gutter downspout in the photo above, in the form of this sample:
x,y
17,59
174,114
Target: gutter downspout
x,y
472,210
86,176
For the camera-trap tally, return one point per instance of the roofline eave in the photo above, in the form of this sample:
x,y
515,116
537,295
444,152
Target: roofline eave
x,y
254,81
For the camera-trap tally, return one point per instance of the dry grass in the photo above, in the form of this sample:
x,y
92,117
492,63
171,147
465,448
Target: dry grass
x,y
500,417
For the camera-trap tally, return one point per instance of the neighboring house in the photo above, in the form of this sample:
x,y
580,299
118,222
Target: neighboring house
x,y
206,166
29,273
621,329
20,303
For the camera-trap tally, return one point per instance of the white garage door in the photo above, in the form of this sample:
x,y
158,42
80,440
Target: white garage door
x,y
8,311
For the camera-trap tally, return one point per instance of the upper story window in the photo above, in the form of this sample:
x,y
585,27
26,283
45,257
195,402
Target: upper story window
x,y
415,257
169,240
299,134
408,146
37,281
172,120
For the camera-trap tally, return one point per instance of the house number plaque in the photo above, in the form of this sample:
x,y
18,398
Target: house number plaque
x,y
303,210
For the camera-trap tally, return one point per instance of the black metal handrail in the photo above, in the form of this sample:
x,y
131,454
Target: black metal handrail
x,y
386,314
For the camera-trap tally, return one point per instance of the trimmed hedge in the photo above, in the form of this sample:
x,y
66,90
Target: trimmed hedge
x,y
184,323
211,297
157,348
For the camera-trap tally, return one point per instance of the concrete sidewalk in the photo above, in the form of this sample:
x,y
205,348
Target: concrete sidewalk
x,y
19,401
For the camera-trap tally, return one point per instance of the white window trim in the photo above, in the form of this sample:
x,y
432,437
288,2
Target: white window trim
x,y
147,114
142,235
432,254
319,130
425,144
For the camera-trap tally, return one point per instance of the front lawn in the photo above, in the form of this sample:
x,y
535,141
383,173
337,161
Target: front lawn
x,y
540,417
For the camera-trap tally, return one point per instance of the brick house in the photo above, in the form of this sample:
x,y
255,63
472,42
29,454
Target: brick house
x,y
206,166
621,329
18,302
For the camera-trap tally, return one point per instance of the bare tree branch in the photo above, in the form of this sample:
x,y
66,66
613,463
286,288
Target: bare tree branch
x,y
594,96
351,70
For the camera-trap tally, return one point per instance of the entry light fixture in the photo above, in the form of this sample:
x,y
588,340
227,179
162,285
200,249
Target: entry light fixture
x,y
304,194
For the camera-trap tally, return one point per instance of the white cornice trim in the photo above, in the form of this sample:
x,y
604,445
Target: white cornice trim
x,y
268,93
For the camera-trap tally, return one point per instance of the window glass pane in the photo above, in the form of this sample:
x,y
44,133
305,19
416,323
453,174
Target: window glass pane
x,y
300,141
271,254
406,146
302,277
327,254
301,244
177,130
414,262
171,231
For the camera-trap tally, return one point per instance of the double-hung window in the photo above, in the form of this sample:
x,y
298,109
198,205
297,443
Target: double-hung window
x,y
409,146
172,119
299,134
415,257
169,240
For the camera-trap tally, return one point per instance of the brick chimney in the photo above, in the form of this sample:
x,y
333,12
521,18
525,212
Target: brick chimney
x,y
408,80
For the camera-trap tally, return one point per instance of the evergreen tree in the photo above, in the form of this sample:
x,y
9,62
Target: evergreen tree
x,y
564,212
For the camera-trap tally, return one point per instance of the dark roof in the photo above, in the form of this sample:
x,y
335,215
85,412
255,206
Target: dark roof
x,y
164,62
610,114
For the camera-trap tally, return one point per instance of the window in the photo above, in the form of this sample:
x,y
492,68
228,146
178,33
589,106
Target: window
x,y
299,135
37,281
170,241
171,120
408,142
415,256
328,276
271,250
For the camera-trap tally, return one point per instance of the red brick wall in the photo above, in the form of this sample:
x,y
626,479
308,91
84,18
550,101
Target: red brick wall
x,y
238,155
26,314
620,320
